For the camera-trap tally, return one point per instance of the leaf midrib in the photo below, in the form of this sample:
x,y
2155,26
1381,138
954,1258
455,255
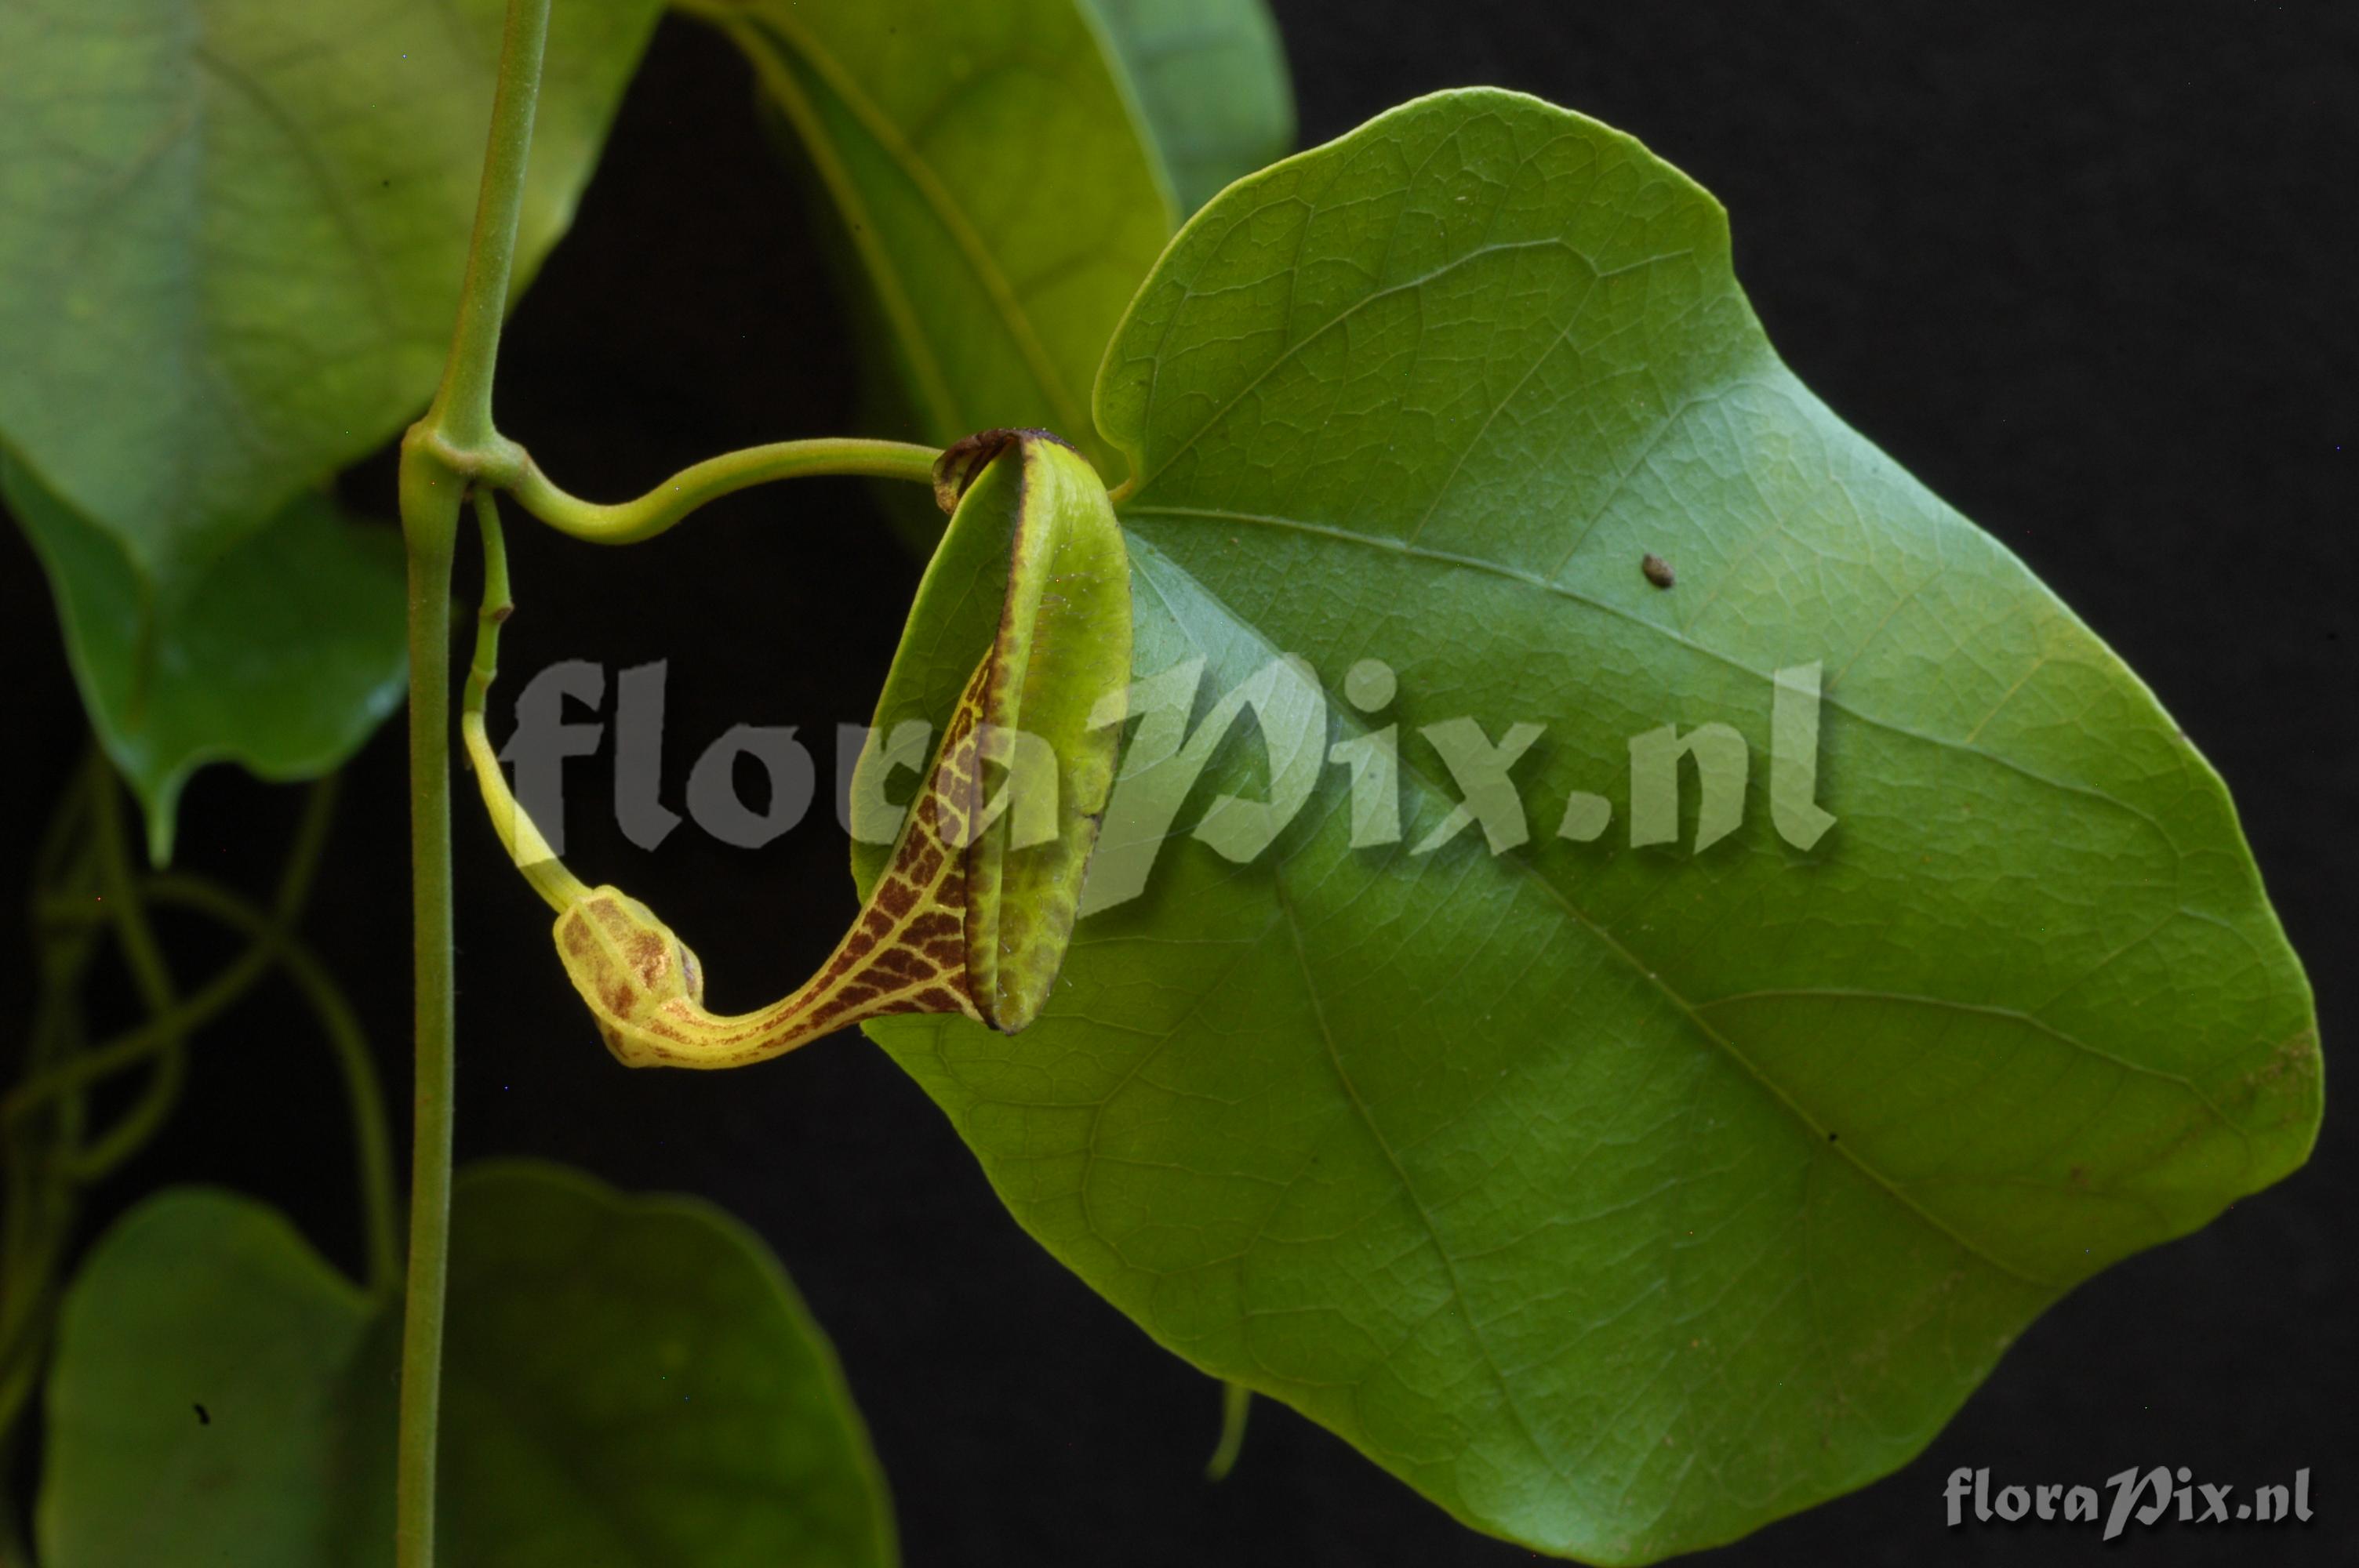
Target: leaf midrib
x,y
1445,559
1131,438
1367,1121
1412,774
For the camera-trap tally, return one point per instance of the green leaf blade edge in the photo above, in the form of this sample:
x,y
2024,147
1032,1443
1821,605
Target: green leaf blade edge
x,y
625,1377
1619,1199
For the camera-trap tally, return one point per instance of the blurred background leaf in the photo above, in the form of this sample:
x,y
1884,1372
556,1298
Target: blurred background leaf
x,y
282,654
231,236
1211,81
629,1379
232,232
1004,181
1000,185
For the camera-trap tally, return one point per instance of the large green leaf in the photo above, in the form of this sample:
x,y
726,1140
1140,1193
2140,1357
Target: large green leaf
x,y
213,1397
231,236
635,1381
282,654
1211,85
1620,1199
992,167
626,1380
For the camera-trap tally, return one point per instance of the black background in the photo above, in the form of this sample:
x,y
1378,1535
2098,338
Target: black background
x,y
2085,270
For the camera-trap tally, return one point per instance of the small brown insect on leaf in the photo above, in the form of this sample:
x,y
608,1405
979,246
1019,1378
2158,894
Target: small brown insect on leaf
x,y
1658,571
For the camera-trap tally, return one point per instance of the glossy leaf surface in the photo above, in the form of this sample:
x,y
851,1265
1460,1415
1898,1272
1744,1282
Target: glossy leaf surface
x,y
626,1380
1619,1197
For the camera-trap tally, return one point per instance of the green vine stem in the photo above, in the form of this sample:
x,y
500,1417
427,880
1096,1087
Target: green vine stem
x,y
164,1029
40,1208
541,868
371,1145
47,1163
161,1033
270,942
453,451
628,522
440,452
434,1025
119,897
47,1160
1236,1404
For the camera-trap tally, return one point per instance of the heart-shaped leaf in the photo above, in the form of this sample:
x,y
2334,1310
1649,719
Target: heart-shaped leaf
x,y
1619,1189
1211,85
281,655
625,1380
